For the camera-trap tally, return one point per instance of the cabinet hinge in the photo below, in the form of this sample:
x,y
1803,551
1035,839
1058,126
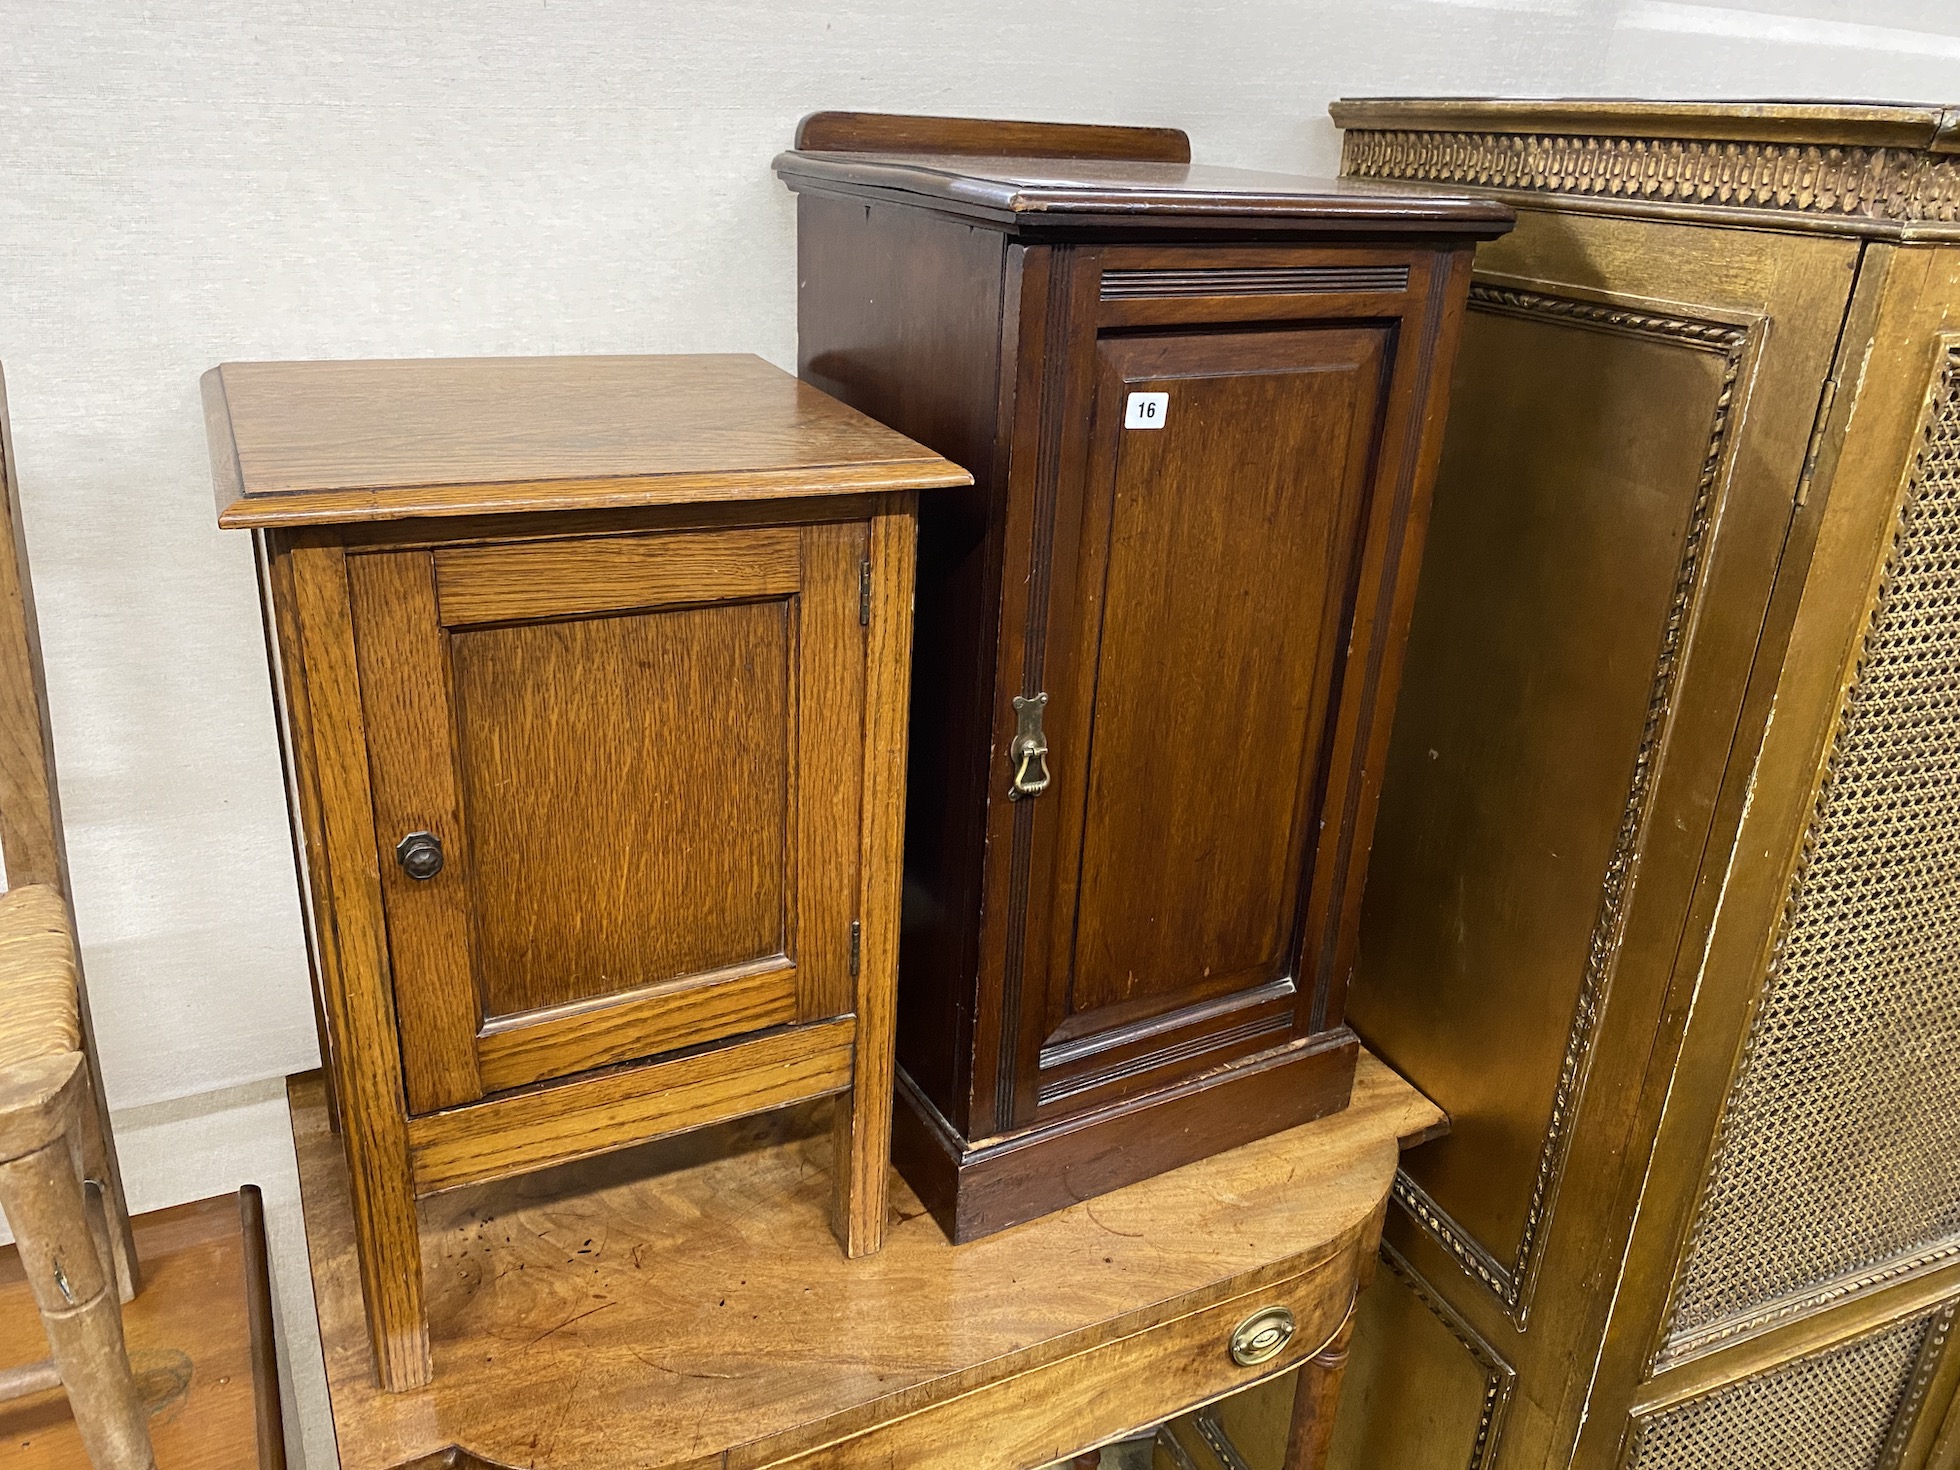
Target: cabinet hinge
x,y
857,933
1816,445
864,594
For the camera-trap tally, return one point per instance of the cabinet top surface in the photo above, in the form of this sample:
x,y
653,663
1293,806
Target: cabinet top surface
x,y
1842,123
1114,194
321,443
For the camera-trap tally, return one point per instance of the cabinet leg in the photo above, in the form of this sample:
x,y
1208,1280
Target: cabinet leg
x,y
1314,1400
863,1142
864,1114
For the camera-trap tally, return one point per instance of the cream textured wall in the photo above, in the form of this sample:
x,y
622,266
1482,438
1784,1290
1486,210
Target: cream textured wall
x,y
189,183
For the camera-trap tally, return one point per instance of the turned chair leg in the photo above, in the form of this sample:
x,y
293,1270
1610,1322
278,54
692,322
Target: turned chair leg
x,y
108,1221
1315,1398
42,1196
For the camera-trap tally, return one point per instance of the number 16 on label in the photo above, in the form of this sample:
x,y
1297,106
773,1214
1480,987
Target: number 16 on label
x,y
1146,410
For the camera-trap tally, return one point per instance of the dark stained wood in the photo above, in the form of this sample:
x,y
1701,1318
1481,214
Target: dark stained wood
x,y
1220,555
335,442
199,1338
1215,610
1118,197
661,749
676,1307
891,132
978,1189
902,320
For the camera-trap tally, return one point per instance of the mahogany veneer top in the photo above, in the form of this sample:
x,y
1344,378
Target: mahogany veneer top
x,y
295,443
1112,194
685,1304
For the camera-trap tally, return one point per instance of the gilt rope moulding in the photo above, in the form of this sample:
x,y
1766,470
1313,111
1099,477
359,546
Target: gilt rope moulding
x,y
590,675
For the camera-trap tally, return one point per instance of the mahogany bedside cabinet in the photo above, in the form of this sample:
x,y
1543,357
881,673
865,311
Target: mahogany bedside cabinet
x,y
591,679
1160,638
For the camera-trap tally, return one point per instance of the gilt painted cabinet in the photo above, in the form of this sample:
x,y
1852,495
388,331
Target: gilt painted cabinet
x,y
591,678
1665,903
1158,640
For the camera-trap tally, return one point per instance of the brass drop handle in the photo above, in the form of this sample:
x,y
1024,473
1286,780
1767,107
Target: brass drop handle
x,y
1029,751
420,854
1262,1336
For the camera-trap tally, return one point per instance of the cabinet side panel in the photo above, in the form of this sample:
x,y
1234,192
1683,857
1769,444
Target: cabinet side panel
x,y
1423,1391
899,315
1565,510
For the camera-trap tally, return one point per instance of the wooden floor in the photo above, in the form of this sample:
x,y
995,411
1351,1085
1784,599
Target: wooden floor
x,y
684,1304
200,1340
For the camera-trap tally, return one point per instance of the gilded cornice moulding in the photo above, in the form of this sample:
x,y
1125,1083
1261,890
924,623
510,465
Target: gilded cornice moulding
x,y
1868,167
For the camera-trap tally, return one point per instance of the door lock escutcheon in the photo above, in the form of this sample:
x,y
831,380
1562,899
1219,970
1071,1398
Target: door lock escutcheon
x,y
1029,752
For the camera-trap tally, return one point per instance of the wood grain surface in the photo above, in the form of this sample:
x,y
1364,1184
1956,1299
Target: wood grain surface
x,y
890,132
611,1108
199,1339
334,442
682,1305
628,786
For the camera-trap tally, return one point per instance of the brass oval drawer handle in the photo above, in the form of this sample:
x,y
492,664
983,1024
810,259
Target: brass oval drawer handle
x,y
1262,1336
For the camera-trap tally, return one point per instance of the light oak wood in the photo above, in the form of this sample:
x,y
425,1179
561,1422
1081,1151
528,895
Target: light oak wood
x,y
553,1125
582,799
200,1339
862,1123
356,990
336,442
495,584
676,1307
518,1050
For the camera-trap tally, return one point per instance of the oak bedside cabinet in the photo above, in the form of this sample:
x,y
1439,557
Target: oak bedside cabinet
x,y
1159,640
591,679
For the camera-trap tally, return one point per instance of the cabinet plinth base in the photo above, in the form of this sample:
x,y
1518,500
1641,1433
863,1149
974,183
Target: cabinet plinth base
x,y
976,1190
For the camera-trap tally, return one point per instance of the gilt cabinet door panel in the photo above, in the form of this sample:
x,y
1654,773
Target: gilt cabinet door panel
x,y
636,754
1223,501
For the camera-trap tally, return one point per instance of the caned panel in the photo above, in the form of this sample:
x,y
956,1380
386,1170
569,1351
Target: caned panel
x,y
1230,548
1838,1157
1841,1409
627,786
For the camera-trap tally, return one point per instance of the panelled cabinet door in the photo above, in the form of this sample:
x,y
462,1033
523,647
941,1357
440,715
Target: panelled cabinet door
x,y
616,786
1222,512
